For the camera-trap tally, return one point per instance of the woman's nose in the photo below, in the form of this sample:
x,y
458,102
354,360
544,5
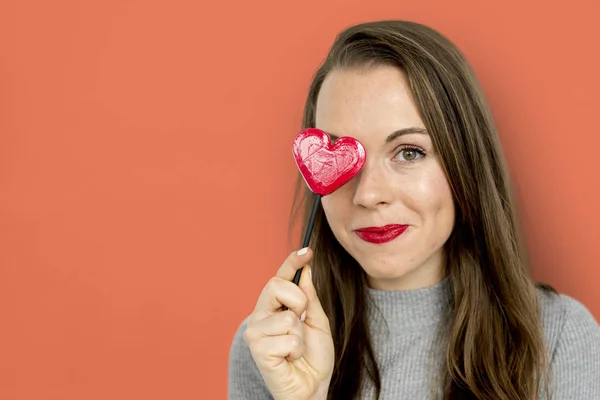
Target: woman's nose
x,y
372,188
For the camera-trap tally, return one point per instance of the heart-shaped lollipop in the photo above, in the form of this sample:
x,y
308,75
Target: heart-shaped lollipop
x,y
325,166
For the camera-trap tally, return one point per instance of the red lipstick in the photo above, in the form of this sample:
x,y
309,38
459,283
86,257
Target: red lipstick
x,y
381,234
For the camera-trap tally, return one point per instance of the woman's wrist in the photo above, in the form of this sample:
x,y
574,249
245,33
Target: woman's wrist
x,y
321,393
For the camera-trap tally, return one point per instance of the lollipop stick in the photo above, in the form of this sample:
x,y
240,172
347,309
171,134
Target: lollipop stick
x,y
309,229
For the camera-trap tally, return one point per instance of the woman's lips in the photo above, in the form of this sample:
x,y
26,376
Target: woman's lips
x,y
381,234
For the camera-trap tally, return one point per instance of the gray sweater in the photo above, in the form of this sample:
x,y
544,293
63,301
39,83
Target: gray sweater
x,y
407,347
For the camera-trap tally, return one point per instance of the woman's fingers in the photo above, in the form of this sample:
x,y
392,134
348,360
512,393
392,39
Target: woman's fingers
x,y
280,292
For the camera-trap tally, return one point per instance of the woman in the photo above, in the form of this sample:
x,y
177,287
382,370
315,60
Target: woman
x,y
415,283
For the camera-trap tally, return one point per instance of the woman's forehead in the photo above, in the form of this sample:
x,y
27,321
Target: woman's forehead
x,y
362,104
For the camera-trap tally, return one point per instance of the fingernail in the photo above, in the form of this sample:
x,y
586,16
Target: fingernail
x,y
303,316
302,252
310,273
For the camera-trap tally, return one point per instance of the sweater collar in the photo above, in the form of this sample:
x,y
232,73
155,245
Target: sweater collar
x,y
402,310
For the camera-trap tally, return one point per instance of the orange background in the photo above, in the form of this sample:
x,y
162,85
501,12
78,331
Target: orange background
x,y
146,171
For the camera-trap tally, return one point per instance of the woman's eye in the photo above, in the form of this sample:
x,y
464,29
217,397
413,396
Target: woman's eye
x,y
409,154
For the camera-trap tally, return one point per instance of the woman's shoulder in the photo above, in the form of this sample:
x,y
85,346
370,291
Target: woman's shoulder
x,y
238,345
563,315
244,379
573,340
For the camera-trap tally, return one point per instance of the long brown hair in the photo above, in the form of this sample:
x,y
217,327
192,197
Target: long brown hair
x,y
495,342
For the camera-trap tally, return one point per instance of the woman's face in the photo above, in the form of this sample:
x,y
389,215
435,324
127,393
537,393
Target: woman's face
x,y
402,186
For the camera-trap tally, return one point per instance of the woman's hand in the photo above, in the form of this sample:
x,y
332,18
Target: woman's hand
x,y
293,349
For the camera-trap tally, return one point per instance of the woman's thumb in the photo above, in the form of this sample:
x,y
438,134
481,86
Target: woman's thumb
x,y
315,316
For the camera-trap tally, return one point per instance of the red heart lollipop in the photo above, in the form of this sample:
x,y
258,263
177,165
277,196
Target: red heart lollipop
x,y
325,166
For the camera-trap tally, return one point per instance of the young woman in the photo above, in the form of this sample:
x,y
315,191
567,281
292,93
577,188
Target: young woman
x,y
415,283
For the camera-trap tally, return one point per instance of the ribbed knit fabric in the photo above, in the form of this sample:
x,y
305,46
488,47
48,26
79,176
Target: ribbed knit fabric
x,y
405,327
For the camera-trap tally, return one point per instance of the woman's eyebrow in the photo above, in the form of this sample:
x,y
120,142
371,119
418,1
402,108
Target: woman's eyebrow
x,y
394,135
405,131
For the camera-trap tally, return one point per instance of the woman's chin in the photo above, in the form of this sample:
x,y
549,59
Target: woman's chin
x,y
385,275
400,276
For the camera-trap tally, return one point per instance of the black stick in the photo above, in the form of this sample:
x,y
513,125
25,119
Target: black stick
x,y
309,229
